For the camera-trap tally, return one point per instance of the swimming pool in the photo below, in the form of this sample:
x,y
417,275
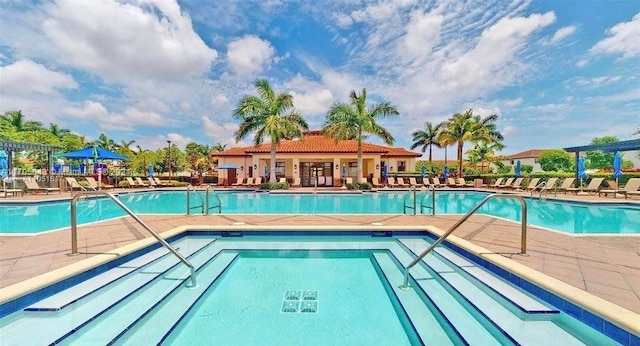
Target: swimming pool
x,y
295,289
569,217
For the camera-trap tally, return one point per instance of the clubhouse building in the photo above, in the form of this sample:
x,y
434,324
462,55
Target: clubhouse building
x,y
312,158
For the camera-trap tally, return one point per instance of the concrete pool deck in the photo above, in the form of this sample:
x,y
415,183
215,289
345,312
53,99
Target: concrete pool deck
x,y
605,266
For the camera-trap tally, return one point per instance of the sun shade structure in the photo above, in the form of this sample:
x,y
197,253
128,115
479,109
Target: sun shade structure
x,y
89,153
630,145
12,147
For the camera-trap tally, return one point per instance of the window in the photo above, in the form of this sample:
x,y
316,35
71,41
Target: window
x,y
280,169
353,169
512,162
536,160
402,166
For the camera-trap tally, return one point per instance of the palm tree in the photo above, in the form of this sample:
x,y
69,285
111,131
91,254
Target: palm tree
x,y
353,120
57,130
267,116
105,142
485,152
463,127
15,118
219,147
637,132
427,137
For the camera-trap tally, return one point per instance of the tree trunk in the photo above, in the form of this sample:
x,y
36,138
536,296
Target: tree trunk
x,y
460,144
359,177
272,174
430,149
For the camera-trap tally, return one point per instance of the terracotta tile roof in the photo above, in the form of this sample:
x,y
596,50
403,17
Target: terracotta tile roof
x,y
532,153
316,142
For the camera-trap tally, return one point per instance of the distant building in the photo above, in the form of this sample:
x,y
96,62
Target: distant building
x,y
530,157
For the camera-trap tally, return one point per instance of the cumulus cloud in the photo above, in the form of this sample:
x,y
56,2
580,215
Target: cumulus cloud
x,y
219,132
97,113
24,77
309,97
249,55
124,41
622,39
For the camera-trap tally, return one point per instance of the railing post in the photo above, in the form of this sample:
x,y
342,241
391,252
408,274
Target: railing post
x,y
414,200
433,199
74,227
206,200
188,202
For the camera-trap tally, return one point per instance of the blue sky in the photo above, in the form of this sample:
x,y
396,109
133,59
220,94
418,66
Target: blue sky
x,y
558,73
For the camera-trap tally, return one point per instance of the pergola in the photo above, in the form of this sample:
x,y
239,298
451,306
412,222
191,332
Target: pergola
x,y
630,145
12,147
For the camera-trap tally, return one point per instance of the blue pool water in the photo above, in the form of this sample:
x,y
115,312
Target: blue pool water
x,y
300,290
567,217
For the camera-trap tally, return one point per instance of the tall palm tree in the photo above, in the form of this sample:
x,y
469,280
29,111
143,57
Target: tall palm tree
x,y
463,127
57,130
15,118
105,142
268,115
427,137
485,152
353,120
219,147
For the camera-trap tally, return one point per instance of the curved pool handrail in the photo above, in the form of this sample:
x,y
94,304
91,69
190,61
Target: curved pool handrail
x,y
405,206
189,207
206,200
74,228
433,200
523,237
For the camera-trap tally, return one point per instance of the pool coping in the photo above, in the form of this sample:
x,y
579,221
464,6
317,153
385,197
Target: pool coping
x,y
614,313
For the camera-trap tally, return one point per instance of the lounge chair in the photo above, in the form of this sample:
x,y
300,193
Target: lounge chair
x,y
594,186
141,183
497,183
257,182
532,184
452,182
631,188
74,184
375,182
248,182
13,192
517,184
401,182
152,182
296,182
348,180
437,183
93,184
160,183
239,182
507,184
391,182
412,182
463,183
612,187
132,183
33,187
566,184
282,180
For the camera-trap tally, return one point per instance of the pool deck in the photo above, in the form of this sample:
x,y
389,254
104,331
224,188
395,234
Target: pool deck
x,y
605,266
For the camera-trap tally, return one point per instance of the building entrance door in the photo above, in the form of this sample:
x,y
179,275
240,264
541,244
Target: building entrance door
x,y
320,172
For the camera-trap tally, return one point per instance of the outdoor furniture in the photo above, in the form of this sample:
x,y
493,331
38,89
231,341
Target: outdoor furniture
x,y
517,184
73,184
507,184
375,182
594,186
132,183
93,184
160,183
239,182
463,183
612,187
631,188
141,183
13,192
566,184
33,187
296,182
532,184
437,183
497,183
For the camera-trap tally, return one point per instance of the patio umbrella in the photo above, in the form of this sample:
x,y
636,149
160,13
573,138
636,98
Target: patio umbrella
x,y
384,173
445,174
266,172
150,171
518,169
617,166
344,171
582,169
4,166
96,165
423,171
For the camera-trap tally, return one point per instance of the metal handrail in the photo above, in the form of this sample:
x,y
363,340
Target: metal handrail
x,y
542,186
405,206
74,228
523,237
190,187
207,208
433,200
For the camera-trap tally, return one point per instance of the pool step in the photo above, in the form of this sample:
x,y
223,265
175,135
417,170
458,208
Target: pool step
x,y
54,325
524,331
152,301
474,328
428,326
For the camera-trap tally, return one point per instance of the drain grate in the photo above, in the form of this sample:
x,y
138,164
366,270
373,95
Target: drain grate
x,y
300,301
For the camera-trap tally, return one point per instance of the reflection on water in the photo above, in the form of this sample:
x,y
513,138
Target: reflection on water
x,y
567,217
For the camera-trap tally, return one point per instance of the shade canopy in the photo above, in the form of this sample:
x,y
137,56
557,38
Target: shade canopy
x,y
227,166
93,153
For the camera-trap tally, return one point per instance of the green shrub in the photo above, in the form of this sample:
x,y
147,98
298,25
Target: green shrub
x,y
359,186
274,186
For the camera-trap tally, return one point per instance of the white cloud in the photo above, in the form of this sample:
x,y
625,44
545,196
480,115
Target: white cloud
x,y
623,38
178,139
582,63
218,100
510,130
563,33
510,103
24,77
422,34
310,98
125,41
249,55
98,114
219,132
597,81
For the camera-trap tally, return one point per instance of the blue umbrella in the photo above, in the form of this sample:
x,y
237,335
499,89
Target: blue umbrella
x,y
582,169
384,171
266,172
445,175
150,171
4,166
423,171
344,171
518,169
617,166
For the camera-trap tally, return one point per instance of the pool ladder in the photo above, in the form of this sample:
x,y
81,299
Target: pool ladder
x,y
205,206
411,198
74,229
523,236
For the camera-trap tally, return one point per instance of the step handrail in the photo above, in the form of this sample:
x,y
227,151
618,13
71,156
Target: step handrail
x,y
207,208
189,188
74,228
412,191
433,200
542,187
523,237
